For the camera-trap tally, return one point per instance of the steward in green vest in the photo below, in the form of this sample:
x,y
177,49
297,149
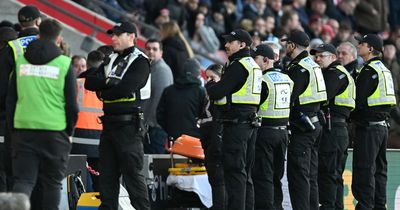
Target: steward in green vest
x,y
375,97
238,92
42,114
308,93
272,136
340,89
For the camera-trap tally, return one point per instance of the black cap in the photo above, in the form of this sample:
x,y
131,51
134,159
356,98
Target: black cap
x,y
298,37
28,13
240,35
124,27
323,48
373,40
265,51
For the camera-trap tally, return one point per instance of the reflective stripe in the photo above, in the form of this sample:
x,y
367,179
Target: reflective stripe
x,y
119,100
78,140
316,90
1,139
277,104
347,97
82,107
250,92
384,93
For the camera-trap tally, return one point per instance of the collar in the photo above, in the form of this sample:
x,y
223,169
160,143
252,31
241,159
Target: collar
x,y
299,57
239,54
333,65
126,52
372,59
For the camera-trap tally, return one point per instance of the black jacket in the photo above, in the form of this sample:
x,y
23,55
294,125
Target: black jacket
x,y
7,65
134,79
335,82
352,68
180,107
233,78
300,77
174,54
40,52
366,83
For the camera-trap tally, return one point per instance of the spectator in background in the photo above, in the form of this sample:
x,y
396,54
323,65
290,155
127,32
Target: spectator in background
x,y
176,48
78,64
254,9
344,33
317,7
94,59
202,38
259,27
107,50
327,33
371,16
269,29
334,24
290,21
390,61
347,56
346,12
182,103
299,7
162,18
161,77
275,8
6,34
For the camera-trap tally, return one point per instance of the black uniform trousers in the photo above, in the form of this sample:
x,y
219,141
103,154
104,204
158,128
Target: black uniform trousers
x,y
121,152
302,168
212,144
331,163
269,167
238,142
6,179
370,167
40,158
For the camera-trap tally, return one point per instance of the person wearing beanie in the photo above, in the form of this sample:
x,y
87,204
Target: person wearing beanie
x,y
375,97
182,103
212,143
29,19
237,95
272,136
308,93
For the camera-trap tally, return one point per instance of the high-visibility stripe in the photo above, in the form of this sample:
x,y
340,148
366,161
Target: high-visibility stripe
x,y
1,139
86,141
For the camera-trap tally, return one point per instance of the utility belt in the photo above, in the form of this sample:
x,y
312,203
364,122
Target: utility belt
x,y
274,127
135,118
383,123
253,120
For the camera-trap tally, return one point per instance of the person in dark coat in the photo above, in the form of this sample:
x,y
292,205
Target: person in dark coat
x,y
182,103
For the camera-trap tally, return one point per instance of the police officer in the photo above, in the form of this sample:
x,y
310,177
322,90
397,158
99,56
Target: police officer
x,y
272,136
374,98
42,111
340,89
238,92
121,83
29,19
308,92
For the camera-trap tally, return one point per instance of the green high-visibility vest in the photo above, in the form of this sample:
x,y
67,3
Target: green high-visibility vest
x,y
277,104
250,92
40,90
384,93
316,90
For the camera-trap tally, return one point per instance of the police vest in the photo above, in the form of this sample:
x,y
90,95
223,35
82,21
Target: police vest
x,y
316,90
19,45
277,104
250,92
40,89
347,97
111,72
384,93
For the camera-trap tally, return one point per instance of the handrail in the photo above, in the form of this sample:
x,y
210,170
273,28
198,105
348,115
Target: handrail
x,y
94,26
146,29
